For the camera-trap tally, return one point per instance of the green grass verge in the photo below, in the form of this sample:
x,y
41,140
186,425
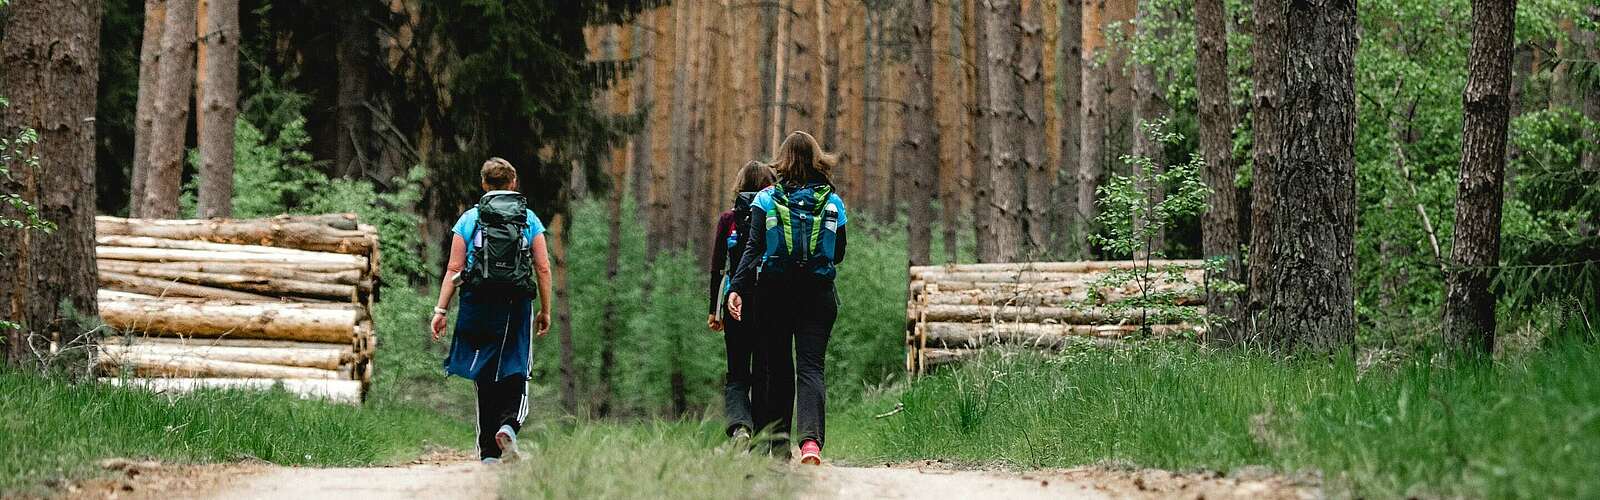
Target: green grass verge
x,y
663,459
1524,428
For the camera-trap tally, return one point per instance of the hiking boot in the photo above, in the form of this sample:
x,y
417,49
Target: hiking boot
x,y
740,439
810,452
506,438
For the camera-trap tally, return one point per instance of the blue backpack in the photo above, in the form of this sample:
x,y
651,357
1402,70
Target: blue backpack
x,y
801,229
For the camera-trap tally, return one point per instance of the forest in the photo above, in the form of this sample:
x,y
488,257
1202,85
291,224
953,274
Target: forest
x,y
1383,183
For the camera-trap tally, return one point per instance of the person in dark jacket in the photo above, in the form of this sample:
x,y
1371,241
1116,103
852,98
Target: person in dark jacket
x,y
727,247
492,346
784,285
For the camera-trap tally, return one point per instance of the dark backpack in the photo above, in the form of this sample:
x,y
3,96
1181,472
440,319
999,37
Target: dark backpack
x,y
801,230
735,242
501,263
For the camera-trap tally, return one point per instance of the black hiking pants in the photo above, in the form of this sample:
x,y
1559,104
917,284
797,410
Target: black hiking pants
x,y
500,402
736,393
796,322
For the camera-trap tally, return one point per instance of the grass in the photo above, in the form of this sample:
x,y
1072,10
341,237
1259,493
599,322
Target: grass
x,y
1527,427
662,459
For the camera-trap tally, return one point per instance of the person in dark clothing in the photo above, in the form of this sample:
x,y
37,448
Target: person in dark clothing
x,y
787,273
727,247
492,346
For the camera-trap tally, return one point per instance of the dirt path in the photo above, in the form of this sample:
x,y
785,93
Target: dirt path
x,y
464,481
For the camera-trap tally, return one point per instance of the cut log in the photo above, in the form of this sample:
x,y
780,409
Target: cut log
x,y
937,357
1068,267
104,294
348,277
308,261
1017,314
316,233
272,287
1047,336
326,359
341,391
149,242
303,322
216,342
1058,298
168,365
162,288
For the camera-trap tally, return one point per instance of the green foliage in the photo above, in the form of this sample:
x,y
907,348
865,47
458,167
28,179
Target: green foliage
x,y
1512,430
667,460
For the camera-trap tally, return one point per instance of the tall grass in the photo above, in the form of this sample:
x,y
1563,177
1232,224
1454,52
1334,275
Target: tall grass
x,y
1524,428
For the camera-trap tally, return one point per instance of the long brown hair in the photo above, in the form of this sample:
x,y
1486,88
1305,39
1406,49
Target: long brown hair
x,y
754,176
802,161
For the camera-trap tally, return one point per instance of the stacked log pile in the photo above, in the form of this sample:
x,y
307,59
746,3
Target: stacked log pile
x,y
284,301
955,311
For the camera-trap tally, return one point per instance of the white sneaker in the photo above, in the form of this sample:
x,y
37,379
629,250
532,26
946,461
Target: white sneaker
x,y
506,438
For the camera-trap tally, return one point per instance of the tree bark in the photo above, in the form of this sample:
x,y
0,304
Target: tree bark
x,y
1469,308
643,82
163,181
219,97
1149,106
1006,128
1590,161
1038,176
921,141
49,50
1066,219
1267,86
804,79
353,52
1219,225
563,291
155,13
953,127
1092,152
1312,256
982,123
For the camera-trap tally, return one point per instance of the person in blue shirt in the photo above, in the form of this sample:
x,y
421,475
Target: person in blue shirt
x,y
492,345
784,286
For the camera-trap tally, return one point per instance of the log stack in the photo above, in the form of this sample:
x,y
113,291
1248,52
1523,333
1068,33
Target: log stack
x,y
283,301
955,311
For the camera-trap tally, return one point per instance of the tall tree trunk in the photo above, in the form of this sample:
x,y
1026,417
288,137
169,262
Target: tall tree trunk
x,y
983,168
155,14
164,178
770,91
1121,126
1313,254
682,119
1267,86
353,53
871,116
921,140
1003,37
1038,174
563,313
805,85
219,97
50,50
1149,106
835,18
1219,232
950,75
643,82
1065,228
1469,323
1590,161
1092,152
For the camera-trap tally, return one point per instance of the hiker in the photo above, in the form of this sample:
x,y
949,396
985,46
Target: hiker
x,y
496,254
727,247
787,275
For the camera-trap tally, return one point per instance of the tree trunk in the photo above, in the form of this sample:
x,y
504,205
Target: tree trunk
x,y
1219,231
643,82
1590,161
1001,39
353,52
770,89
1267,86
921,142
1469,308
1312,257
155,13
804,79
871,117
163,181
1092,152
563,312
219,98
610,321
949,75
1038,175
50,54
1067,220
1149,107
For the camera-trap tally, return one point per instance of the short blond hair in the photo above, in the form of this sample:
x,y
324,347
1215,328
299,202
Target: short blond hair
x,y
498,173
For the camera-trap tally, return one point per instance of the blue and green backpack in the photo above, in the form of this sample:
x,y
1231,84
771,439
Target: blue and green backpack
x,y
802,227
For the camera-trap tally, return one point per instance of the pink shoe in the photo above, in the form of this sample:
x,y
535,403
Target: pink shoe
x,y
810,452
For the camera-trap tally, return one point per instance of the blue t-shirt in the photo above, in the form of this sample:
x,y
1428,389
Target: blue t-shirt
x,y
468,224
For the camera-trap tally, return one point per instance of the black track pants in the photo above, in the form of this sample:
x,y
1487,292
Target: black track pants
x,y
736,393
502,402
796,323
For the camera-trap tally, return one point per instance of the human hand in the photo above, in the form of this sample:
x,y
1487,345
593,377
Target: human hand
x,y
736,306
713,323
438,326
541,323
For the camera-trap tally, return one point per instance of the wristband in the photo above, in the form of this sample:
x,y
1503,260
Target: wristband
x,y
441,310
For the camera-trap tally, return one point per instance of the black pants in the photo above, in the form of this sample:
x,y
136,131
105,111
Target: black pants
x,y
502,402
796,321
736,394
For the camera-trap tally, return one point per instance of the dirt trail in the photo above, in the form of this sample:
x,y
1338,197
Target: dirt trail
x,y
466,481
